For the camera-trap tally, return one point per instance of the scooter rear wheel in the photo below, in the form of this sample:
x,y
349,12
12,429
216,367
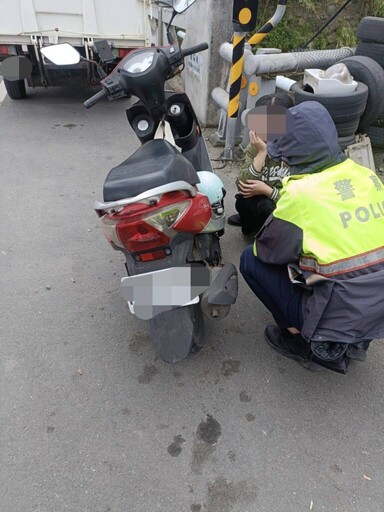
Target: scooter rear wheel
x,y
197,318
177,333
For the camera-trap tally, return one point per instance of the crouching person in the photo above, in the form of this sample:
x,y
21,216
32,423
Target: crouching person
x,y
317,263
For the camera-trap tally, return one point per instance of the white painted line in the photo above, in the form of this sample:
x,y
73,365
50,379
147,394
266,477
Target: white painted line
x,y
3,92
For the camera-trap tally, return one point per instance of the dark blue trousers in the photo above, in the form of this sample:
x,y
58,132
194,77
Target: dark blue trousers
x,y
271,284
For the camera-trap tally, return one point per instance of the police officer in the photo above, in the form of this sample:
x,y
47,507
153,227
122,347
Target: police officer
x,y
317,263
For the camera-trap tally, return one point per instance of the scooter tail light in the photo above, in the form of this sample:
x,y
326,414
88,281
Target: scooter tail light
x,y
147,235
165,218
153,231
109,231
140,236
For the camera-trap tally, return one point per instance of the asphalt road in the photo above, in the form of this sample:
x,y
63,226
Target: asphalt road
x,y
91,419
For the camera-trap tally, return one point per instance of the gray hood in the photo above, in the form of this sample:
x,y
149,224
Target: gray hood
x,y
310,143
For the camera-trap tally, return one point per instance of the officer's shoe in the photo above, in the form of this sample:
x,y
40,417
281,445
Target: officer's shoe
x,y
293,346
331,355
358,351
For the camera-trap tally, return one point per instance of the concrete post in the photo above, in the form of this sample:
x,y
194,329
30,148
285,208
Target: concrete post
x,y
206,21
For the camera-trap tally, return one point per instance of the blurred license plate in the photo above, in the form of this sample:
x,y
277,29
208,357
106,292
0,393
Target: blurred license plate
x,y
162,290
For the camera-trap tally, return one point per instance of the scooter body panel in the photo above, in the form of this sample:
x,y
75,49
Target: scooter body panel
x,y
185,127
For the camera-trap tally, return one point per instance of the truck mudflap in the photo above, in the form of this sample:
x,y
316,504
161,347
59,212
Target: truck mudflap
x,y
15,68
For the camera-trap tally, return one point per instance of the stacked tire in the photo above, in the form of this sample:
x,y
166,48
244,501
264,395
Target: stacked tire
x,y
370,34
366,70
346,109
355,111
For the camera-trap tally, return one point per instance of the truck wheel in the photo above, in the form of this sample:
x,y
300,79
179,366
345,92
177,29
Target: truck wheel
x,y
344,108
369,72
371,30
15,89
373,50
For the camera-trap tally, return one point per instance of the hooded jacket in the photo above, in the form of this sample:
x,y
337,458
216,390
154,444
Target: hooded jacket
x,y
328,229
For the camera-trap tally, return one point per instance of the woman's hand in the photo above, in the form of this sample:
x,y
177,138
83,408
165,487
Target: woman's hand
x,y
251,188
259,144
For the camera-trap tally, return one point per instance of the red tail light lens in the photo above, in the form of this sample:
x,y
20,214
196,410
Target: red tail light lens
x,y
140,236
7,49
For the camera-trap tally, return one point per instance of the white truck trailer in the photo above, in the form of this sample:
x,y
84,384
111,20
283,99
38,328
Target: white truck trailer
x,y
28,25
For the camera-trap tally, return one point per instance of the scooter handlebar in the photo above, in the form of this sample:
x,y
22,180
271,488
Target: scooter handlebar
x,y
95,98
194,49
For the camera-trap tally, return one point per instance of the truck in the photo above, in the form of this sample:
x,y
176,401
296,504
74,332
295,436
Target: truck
x,y
103,32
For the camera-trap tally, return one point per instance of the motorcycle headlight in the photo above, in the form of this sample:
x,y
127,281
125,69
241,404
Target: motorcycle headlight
x,y
139,63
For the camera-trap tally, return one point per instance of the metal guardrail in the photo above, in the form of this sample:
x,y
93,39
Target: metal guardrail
x,y
253,66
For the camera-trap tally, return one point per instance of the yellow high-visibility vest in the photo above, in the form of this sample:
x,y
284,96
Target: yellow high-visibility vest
x,y
341,213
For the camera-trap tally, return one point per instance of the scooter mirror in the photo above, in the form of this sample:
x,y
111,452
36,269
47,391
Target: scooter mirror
x,y
61,54
182,5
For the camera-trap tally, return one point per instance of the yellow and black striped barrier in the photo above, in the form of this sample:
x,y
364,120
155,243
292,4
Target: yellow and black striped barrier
x,y
244,21
270,25
236,74
261,34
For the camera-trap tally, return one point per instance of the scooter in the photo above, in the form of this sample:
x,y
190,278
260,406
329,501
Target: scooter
x,y
163,206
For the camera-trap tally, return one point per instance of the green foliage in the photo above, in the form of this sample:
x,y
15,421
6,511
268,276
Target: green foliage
x,y
286,38
303,18
310,5
372,8
345,35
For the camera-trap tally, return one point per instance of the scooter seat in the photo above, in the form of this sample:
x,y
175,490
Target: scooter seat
x,y
155,163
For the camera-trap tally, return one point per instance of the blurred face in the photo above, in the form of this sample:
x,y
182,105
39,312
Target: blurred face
x,y
268,122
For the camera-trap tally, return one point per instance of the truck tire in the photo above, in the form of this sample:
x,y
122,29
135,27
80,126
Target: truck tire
x,y
379,121
371,29
344,108
346,141
15,89
373,50
369,72
376,135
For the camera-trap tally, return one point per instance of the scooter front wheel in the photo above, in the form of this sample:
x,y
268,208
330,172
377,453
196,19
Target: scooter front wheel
x,y
177,333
